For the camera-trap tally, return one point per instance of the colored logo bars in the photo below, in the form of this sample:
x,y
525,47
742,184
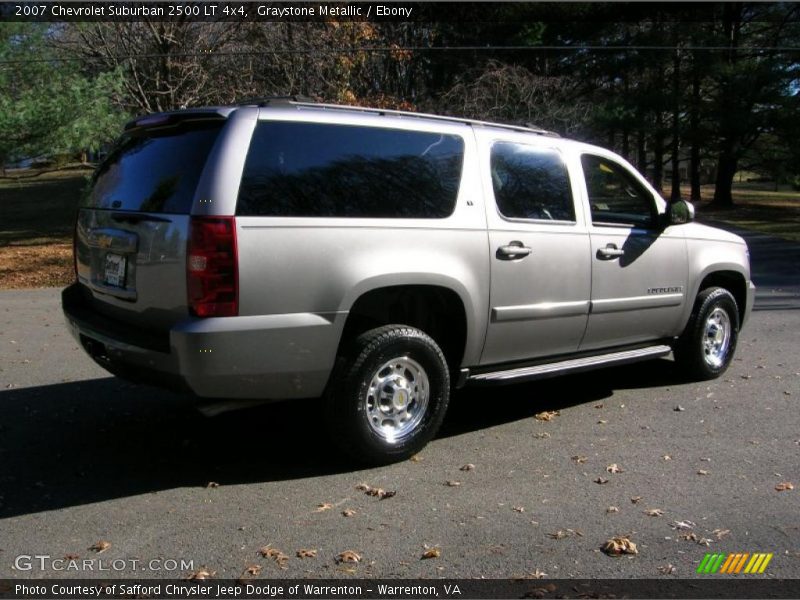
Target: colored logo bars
x,y
734,563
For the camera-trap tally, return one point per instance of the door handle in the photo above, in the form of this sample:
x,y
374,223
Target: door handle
x,y
609,252
513,251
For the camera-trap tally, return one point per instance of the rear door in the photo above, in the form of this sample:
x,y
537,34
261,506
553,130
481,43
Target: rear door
x,y
134,220
539,250
639,268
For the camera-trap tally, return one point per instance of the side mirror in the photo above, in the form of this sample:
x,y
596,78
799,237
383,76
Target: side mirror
x,y
679,212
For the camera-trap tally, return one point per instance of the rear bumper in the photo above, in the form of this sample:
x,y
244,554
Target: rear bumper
x,y
261,357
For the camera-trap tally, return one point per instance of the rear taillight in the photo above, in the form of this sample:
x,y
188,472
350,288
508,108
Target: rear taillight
x,y
211,271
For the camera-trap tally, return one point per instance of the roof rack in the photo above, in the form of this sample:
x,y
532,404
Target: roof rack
x,y
309,103
275,100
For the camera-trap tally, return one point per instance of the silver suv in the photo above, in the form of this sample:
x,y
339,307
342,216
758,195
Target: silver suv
x,y
378,259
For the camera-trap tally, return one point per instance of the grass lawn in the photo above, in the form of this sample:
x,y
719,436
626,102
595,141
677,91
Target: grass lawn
x,y
37,214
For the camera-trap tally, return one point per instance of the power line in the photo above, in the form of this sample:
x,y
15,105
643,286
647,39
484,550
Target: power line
x,y
395,49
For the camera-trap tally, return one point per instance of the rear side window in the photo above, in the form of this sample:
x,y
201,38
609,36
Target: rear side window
x,y
325,170
154,170
531,183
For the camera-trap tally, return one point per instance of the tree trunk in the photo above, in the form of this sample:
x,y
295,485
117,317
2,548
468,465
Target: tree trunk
x,y
694,136
641,151
726,170
675,193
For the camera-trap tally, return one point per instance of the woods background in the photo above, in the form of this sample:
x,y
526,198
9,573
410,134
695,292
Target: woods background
x,y
691,94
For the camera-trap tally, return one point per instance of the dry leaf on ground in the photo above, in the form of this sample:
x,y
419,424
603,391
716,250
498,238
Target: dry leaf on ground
x,y
542,435
467,467
348,512
348,556
784,486
452,483
620,545
434,552
612,509
537,574
580,459
720,533
601,480
200,574
249,572
416,458
100,546
668,569
547,415
323,507
667,457
275,554
654,512
614,468
519,509
306,553
379,493
636,499
702,472
211,485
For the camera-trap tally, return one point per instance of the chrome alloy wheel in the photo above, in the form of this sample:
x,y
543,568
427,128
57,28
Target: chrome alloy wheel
x,y
717,337
397,398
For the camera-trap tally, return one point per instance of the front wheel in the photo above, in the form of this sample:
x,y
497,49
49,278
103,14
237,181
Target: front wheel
x,y
389,395
706,348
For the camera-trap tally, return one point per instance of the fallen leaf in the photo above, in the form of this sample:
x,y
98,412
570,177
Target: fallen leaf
x,y
434,552
558,535
679,408
537,574
542,436
363,487
612,509
100,546
602,422
547,415
620,545
468,467
347,570
249,572
580,459
668,569
452,483
784,486
348,556
323,507
683,525
702,472
654,512
693,537
212,485
416,458
599,405
348,512
720,533
614,468
636,499
667,457
200,574
519,509
275,554
306,553
71,556
601,480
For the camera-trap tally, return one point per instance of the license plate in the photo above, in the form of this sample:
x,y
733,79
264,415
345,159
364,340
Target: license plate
x,y
115,270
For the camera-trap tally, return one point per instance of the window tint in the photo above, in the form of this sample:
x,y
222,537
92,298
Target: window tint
x,y
531,183
154,171
321,170
615,196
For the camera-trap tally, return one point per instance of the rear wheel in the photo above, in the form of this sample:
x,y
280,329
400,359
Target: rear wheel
x,y
389,395
706,348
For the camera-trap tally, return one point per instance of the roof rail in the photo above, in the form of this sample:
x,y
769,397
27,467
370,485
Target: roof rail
x,y
274,100
308,103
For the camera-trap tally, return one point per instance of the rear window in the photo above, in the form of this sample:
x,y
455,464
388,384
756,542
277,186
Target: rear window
x,y
322,170
154,170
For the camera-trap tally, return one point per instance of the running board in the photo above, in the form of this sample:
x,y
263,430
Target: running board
x,y
574,365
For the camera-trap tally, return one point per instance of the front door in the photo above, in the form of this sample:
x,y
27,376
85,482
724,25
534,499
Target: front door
x,y
639,268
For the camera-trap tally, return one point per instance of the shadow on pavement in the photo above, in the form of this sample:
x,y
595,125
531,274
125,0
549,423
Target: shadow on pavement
x,y
81,442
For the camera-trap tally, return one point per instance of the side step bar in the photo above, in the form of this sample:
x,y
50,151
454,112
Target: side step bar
x,y
574,365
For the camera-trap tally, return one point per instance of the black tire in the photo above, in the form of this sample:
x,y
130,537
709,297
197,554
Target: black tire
x,y
699,356
364,418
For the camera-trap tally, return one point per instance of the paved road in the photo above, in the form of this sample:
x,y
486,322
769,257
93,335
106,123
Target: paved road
x,y
85,457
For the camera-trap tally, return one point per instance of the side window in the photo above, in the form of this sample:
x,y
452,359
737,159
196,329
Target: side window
x,y
531,183
327,170
615,196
